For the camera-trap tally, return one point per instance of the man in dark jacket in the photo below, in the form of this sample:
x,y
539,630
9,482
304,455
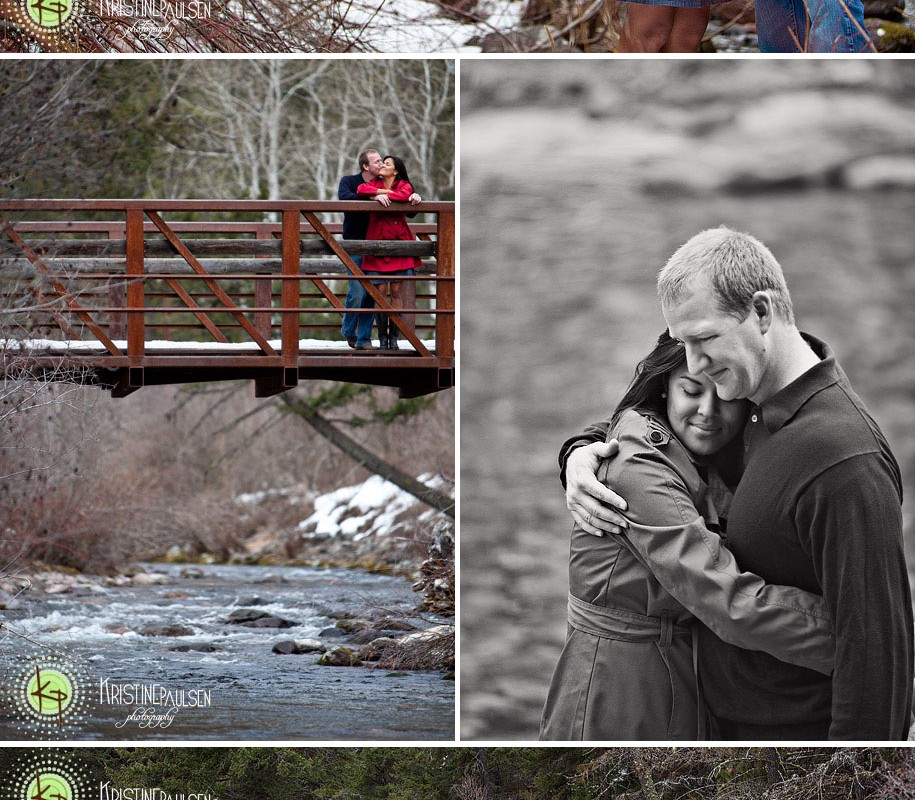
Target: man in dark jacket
x,y
818,505
357,328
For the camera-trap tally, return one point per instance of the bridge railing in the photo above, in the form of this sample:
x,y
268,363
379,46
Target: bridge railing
x,y
159,279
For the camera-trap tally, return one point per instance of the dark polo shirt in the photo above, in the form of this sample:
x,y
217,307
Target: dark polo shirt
x,y
355,223
818,507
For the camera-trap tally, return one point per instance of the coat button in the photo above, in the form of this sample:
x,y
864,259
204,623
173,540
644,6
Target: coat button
x,y
655,437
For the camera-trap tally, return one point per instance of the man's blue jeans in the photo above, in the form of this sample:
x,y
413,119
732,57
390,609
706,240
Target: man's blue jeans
x,y
358,326
836,26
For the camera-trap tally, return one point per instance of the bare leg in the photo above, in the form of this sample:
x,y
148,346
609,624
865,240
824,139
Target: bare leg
x,y
646,28
688,29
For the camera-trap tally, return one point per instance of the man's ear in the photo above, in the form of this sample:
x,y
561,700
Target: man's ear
x,y
762,308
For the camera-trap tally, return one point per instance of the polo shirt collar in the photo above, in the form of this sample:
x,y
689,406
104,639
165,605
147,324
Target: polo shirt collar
x,y
783,405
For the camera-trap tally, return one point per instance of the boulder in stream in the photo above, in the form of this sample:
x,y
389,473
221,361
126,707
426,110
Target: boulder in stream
x,y
340,657
252,618
297,647
174,629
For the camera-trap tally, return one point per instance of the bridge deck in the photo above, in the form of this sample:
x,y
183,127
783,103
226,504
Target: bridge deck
x,y
140,301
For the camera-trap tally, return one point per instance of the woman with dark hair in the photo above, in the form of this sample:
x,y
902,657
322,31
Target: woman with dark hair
x,y
627,669
391,185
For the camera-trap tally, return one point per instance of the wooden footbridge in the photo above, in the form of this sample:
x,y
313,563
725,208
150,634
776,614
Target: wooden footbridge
x,y
132,293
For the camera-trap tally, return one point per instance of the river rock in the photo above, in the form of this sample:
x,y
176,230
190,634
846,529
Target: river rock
x,y
192,572
885,9
14,585
299,647
270,622
368,635
116,627
332,633
785,141
175,629
254,600
252,618
881,172
353,625
380,629
150,579
890,37
376,649
241,615
428,635
389,624
202,647
273,579
340,657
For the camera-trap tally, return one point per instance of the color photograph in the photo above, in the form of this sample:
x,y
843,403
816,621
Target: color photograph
x,y
227,369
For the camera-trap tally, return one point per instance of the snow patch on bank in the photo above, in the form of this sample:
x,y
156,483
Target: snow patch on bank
x,y
417,26
370,508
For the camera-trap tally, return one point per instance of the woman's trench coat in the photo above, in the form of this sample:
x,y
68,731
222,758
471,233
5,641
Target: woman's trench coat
x,y
627,670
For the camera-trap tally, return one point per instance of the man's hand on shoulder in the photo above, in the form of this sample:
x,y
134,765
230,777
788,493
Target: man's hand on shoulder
x,y
592,505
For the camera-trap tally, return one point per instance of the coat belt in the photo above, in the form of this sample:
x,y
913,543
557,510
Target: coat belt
x,y
627,626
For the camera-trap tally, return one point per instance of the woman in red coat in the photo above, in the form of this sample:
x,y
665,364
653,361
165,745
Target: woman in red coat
x,y
391,185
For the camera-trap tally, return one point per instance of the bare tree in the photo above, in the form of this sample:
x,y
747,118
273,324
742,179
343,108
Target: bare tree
x,y
309,412
273,128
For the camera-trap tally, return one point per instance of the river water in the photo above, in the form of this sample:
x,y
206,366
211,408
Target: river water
x,y
253,693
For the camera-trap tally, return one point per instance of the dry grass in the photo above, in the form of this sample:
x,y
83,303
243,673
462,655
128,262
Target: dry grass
x,y
750,773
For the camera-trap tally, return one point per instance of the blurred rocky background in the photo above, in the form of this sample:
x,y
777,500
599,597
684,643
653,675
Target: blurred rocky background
x,y
594,25
579,179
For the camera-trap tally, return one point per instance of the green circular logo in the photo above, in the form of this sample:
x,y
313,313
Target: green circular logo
x,y
49,13
49,692
49,786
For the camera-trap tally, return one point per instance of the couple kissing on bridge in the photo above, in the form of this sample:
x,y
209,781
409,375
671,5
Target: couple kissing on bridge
x,y
383,180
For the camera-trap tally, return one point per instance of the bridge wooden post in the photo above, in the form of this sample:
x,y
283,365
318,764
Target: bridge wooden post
x,y
117,293
288,375
263,295
445,290
136,322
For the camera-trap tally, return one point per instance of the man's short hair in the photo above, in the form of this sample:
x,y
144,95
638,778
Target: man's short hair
x,y
364,157
735,264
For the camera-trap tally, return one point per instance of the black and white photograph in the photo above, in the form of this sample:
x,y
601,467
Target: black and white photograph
x,y
687,385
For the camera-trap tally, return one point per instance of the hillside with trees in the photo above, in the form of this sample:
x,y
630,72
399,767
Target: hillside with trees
x,y
321,773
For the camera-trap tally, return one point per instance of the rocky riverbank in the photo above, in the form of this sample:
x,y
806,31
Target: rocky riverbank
x,y
251,636
371,526
374,637
545,26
